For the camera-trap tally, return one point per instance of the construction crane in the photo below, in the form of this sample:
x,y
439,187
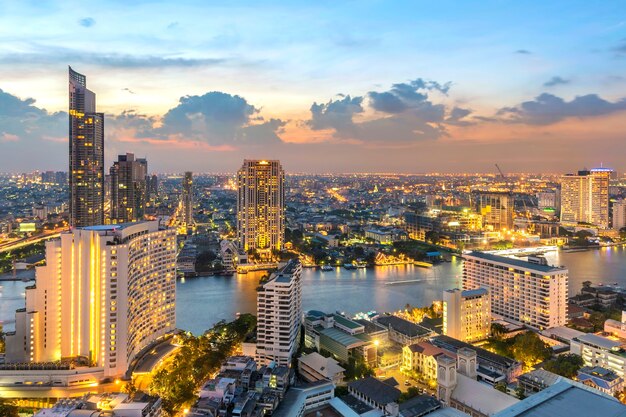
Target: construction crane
x,y
510,187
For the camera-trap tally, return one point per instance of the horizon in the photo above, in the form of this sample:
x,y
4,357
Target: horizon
x,y
322,88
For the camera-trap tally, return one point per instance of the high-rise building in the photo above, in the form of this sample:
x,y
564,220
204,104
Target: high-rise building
x,y
105,293
467,314
496,209
128,189
279,314
534,294
261,206
619,214
187,199
585,197
86,159
153,186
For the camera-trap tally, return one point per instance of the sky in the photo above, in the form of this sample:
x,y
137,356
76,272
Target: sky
x,y
324,86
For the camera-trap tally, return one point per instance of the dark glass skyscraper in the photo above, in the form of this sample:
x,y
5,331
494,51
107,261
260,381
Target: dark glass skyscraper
x,y
128,188
86,140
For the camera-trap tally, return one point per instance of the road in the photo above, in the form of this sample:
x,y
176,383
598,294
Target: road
x,y
5,247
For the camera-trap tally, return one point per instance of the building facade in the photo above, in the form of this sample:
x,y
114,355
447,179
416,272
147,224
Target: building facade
x,y
467,314
585,197
279,315
128,189
619,214
261,207
86,154
187,199
529,293
496,209
105,293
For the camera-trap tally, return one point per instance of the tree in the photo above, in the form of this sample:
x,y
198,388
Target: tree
x,y
432,237
8,408
498,330
500,386
520,393
622,233
530,349
565,365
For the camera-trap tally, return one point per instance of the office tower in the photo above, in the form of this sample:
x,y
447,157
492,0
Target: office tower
x,y
546,199
619,214
128,189
496,209
585,197
534,294
187,199
153,186
261,207
86,140
105,293
467,314
279,314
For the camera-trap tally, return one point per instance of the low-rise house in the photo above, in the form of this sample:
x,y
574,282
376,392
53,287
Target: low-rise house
x,y
601,379
422,358
315,367
403,331
537,380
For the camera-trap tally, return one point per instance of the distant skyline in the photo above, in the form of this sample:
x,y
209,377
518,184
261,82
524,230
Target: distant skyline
x,y
354,86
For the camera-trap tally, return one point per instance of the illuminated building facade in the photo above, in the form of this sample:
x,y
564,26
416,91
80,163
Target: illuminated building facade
x,y
187,199
585,197
261,206
496,209
86,162
128,189
531,293
105,293
279,315
619,214
467,314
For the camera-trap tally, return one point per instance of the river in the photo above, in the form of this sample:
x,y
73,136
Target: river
x,y
203,301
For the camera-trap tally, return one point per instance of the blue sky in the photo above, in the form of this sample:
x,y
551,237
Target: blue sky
x,y
513,70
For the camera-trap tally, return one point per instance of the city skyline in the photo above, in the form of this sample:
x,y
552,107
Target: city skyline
x,y
434,89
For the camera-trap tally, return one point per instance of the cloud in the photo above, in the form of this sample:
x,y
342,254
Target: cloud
x,y
39,55
336,114
21,120
556,80
215,118
87,22
547,109
523,52
128,90
404,113
620,49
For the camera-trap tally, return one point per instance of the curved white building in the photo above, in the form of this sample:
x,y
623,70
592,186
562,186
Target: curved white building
x,y
105,293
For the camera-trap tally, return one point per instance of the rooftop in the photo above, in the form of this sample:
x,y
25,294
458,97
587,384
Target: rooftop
x,y
599,341
449,343
480,396
343,338
566,398
515,262
346,322
403,326
376,390
419,406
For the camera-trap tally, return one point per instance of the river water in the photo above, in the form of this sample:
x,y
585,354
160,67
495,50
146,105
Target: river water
x,y
203,301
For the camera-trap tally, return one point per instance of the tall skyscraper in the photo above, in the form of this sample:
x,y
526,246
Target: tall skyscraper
x,y
128,189
261,206
531,293
86,162
585,197
496,209
467,314
279,314
105,293
187,199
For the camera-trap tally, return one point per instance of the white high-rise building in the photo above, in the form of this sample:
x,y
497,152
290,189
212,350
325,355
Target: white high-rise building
x,y
105,293
531,293
619,214
279,314
261,207
467,314
585,197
